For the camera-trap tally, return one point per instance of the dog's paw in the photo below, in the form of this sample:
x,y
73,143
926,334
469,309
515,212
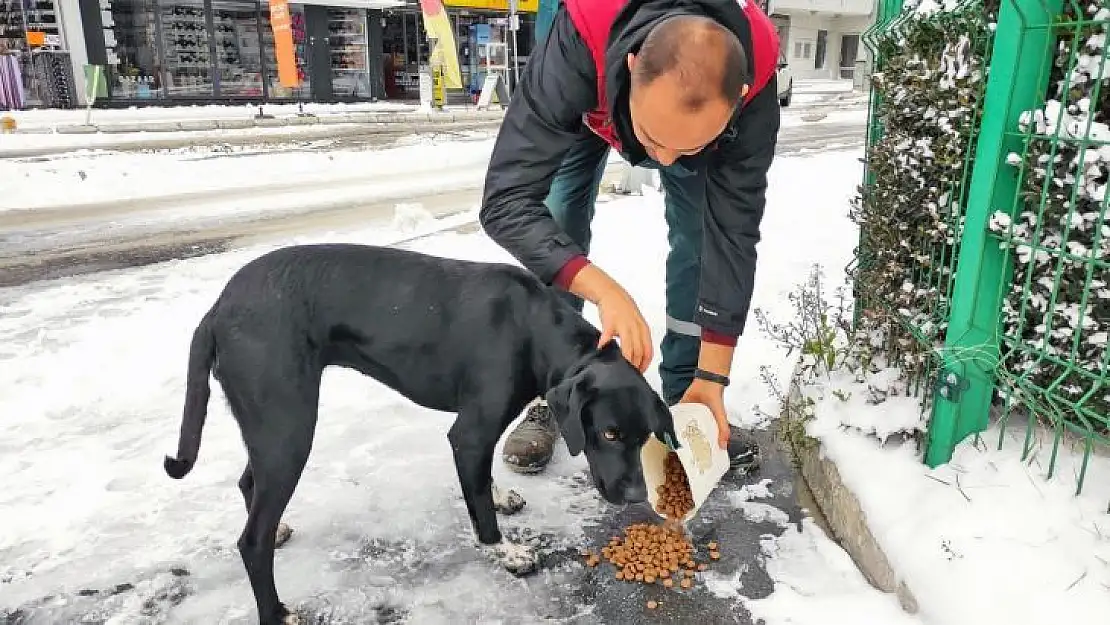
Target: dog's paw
x,y
507,501
520,560
284,533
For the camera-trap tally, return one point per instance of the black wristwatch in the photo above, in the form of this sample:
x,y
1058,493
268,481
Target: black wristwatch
x,y
709,376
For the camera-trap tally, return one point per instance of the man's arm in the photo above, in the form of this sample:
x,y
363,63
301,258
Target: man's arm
x,y
543,120
736,195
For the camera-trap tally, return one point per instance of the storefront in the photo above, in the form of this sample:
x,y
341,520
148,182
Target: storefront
x,y
161,51
36,69
483,35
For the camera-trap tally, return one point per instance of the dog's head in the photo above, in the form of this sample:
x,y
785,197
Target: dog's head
x,y
606,408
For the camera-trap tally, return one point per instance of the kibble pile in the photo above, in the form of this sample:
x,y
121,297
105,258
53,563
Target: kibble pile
x,y
658,554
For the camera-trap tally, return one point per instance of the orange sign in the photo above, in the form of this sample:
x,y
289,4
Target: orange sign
x,y
36,38
280,21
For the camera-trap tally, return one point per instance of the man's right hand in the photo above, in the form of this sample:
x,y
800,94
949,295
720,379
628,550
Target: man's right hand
x,y
620,317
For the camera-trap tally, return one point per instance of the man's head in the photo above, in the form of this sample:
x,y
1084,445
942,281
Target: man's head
x,y
687,79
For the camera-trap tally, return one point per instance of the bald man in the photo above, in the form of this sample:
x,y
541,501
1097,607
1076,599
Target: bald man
x,y
686,87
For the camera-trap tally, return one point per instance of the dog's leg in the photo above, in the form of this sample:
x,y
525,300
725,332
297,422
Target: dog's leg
x,y
275,404
474,446
508,501
246,486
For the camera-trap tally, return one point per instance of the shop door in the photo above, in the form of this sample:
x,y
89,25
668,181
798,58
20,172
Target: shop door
x,y
318,54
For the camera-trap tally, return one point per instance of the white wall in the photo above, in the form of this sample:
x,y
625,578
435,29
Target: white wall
x,y
800,45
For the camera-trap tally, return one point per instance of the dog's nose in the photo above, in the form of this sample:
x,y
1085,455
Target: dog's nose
x,y
635,493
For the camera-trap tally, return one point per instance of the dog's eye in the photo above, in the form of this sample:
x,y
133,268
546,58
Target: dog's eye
x,y
611,434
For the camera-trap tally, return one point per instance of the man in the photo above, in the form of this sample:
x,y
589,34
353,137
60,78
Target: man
x,y
686,87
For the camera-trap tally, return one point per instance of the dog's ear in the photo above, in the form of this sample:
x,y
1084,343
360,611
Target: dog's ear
x,y
566,401
612,347
661,422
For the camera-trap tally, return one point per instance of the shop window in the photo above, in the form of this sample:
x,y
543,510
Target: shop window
x,y
41,77
130,41
300,53
188,61
238,48
350,72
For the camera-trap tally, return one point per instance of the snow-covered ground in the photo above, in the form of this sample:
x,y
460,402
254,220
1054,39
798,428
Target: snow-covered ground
x,y
52,118
985,538
92,373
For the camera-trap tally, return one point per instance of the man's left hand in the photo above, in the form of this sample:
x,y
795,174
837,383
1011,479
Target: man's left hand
x,y
712,396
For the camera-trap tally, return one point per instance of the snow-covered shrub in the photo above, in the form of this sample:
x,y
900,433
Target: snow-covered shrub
x,y
930,82
1059,302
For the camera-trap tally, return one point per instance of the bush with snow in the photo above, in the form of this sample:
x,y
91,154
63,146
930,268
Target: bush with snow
x,y
930,88
1059,301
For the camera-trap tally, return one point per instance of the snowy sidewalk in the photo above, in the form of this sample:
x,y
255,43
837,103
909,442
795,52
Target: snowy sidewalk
x,y
92,381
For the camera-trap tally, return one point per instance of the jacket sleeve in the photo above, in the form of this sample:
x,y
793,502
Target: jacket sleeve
x,y
736,195
543,120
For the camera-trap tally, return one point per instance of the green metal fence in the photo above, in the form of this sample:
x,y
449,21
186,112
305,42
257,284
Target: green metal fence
x,y
985,236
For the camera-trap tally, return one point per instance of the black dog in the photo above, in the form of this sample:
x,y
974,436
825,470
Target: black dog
x,y
478,339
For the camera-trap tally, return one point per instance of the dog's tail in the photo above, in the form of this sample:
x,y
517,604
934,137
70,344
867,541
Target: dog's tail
x,y
202,352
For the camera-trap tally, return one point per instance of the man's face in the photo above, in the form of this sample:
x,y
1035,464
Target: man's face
x,y
663,126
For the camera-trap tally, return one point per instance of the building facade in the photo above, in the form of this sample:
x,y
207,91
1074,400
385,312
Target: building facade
x,y
203,51
821,39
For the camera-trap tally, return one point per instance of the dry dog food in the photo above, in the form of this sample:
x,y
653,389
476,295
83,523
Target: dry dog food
x,y
675,498
651,554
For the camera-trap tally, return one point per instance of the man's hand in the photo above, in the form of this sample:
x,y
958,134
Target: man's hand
x,y
620,317
712,396
716,359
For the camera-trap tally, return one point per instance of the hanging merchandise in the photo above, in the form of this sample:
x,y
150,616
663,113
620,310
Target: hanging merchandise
x,y
187,54
53,77
11,83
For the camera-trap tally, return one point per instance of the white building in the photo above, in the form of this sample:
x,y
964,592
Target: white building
x,y
821,39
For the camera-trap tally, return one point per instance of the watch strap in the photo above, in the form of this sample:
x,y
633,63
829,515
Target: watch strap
x,y
709,376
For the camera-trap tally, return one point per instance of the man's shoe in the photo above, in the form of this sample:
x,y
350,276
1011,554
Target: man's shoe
x,y
743,452
529,447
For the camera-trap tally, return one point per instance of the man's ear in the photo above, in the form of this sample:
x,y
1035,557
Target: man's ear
x,y
744,91
566,400
631,61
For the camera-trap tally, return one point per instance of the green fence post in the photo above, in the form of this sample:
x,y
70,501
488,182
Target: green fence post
x,y
1016,83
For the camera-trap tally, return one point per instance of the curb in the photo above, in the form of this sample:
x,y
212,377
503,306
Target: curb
x,y
284,132
271,122
844,514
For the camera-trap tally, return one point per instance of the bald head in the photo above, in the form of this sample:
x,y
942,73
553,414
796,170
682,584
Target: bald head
x,y
703,56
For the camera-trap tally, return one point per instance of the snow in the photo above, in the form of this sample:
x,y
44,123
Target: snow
x,y
52,118
82,179
93,379
985,538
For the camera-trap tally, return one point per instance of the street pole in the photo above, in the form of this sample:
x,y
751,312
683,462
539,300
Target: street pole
x,y
514,25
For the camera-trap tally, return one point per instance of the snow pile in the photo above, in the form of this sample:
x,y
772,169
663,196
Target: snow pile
x,y
986,538
1059,301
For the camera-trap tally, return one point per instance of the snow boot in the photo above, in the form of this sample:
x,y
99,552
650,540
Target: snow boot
x,y
529,447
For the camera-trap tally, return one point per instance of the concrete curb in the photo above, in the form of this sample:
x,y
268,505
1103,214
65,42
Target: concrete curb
x,y
845,516
448,117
